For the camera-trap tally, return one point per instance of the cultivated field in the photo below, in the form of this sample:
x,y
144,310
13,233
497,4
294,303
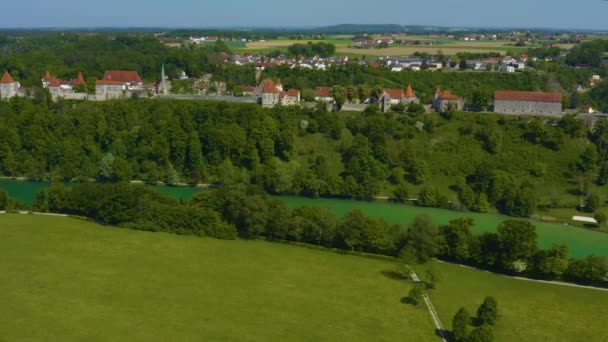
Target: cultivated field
x,y
343,46
530,311
65,279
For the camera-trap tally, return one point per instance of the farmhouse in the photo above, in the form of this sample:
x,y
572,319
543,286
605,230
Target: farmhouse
x,y
445,100
117,84
525,102
395,96
8,86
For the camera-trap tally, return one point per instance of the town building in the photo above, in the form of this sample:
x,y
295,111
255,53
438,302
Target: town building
x,y
396,96
59,88
9,87
270,94
527,102
323,94
117,84
446,100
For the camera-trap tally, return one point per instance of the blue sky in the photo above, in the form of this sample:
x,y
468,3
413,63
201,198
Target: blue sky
x,y
589,14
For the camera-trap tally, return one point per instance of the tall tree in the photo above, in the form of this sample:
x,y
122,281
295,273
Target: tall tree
x,y
460,325
487,313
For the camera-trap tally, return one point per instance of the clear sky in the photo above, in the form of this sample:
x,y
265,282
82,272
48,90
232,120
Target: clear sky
x,y
588,14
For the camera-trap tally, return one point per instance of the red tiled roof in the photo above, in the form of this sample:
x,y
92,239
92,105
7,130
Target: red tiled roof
x,y
447,95
293,93
78,80
54,82
202,86
6,78
123,76
394,93
323,92
409,93
106,82
269,87
248,89
527,96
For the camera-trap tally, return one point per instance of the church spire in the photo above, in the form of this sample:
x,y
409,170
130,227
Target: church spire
x,y
163,85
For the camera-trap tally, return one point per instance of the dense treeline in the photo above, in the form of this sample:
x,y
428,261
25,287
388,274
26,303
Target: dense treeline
x,y
513,249
588,53
486,158
312,49
65,55
245,211
8,203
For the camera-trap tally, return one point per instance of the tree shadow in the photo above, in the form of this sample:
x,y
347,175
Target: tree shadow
x,y
408,300
444,333
394,275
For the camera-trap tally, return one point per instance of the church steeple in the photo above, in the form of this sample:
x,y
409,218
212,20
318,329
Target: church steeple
x,y
163,85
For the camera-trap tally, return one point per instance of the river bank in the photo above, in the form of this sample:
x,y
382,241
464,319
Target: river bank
x,y
582,242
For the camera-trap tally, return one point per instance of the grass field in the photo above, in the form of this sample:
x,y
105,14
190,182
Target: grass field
x,y
530,311
65,279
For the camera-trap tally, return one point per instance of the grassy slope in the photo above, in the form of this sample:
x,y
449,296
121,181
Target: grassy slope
x,y
79,281
531,311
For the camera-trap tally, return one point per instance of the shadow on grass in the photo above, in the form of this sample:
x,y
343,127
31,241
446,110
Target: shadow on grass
x,y
409,300
394,275
444,333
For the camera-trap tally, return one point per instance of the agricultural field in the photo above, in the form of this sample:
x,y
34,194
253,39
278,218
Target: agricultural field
x,y
80,281
530,311
344,46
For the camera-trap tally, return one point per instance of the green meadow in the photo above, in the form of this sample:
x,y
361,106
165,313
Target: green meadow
x,y
530,311
65,279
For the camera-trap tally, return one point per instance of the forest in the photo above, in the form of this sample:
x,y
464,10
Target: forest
x,y
472,161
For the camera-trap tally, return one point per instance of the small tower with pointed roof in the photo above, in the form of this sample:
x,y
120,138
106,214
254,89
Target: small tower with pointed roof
x,y
8,86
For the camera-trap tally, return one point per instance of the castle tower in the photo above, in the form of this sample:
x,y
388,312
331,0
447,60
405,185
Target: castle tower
x,y
8,86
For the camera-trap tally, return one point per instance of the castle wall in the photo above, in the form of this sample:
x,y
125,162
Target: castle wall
x,y
527,107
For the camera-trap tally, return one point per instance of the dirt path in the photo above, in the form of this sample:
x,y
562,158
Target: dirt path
x,y
429,305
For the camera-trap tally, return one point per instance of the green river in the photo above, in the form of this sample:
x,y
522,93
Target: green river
x,y
582,242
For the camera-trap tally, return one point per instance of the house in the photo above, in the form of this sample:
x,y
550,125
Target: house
x,y
446,100
8,86
395,96
117,84
323,94
526,102
290,97
248,90
270,94
59,88
507,68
